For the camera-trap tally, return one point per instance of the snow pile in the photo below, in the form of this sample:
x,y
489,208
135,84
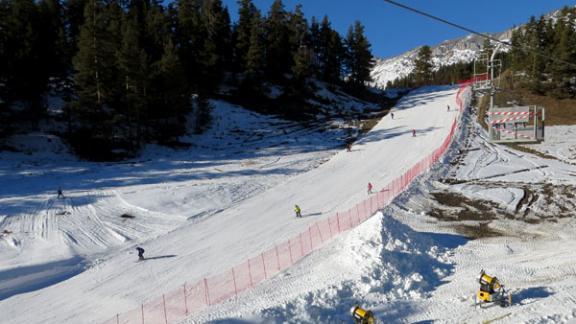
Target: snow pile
x,y
379,262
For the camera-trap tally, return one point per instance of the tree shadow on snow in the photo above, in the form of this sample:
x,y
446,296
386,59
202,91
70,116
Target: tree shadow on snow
x,y
30,278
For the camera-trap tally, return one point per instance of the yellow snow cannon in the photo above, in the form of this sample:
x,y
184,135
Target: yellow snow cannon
x,y
362,316
492,291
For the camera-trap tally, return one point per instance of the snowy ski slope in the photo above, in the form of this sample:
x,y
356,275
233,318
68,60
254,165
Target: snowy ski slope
x,y
410,267
188,251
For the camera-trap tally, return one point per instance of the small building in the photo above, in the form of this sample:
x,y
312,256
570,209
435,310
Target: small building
x,y
522,124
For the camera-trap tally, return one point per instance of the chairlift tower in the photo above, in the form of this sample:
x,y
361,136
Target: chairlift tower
x,y
516,124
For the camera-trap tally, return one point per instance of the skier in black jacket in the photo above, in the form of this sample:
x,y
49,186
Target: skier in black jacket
x,y
140,253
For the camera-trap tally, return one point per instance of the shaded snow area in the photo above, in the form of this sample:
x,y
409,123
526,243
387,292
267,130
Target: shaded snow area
x,y
333,102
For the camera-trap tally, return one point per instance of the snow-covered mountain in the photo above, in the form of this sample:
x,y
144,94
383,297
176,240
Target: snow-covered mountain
x,y
448,52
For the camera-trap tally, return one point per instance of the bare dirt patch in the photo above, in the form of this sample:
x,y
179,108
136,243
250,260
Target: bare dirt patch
x,y
541,202
481,230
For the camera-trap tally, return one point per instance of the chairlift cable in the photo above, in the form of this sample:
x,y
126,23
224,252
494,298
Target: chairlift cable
x,y
486,36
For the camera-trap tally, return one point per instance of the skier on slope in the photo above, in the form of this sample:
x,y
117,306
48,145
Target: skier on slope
x,y
298,211
447,107
413,132
369,187
60,194
140,253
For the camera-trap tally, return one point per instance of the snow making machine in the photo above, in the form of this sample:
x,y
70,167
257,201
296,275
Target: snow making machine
x,y
491,292
362,316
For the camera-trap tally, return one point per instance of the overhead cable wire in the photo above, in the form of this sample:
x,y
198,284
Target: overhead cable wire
x,y
486,36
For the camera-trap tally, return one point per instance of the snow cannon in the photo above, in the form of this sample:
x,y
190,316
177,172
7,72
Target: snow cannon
x,y
362,316
492,291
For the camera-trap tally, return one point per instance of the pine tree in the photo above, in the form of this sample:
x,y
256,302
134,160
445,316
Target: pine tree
x,y
215,53
314,32
243,32
157,30
302,68
278,58
359,57
169,96
21,53
331,52
96,76
298,30
334,60
75,18
302,52
563,51
52,39
255,56
517,54
191,35
133,69
423,66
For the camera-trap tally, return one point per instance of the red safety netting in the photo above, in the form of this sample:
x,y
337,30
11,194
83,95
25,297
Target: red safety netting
x,y
192,298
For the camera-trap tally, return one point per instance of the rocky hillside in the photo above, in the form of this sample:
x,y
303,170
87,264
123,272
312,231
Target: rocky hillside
x,y
446,53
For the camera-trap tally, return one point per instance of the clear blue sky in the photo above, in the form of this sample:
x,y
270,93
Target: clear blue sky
x,y
392,30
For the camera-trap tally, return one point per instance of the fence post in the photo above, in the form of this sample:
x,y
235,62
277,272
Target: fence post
x,y
142,313
164,303
330,228
338,222
250,273
371,207
310,236
206,292
290,248
264,266
277,257
301,245
320,232
185,299
234,280
117,318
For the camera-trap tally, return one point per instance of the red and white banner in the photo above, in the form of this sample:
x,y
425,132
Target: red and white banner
x,y
505,120
510,113
516,134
